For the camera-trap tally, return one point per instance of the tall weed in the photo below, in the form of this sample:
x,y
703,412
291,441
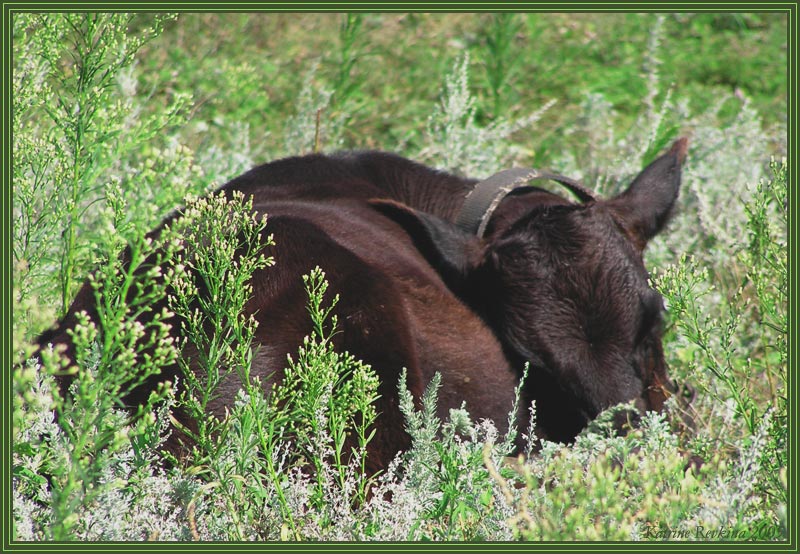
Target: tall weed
x,y
84,436
76,119
455,139
500,59
314,126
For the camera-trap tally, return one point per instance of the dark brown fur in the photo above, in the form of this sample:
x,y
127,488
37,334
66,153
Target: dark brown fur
x,y
553,283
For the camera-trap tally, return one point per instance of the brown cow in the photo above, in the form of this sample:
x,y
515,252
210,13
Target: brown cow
x,y
438,273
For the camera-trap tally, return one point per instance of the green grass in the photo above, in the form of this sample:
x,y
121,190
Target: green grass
x,y
402,59
120,119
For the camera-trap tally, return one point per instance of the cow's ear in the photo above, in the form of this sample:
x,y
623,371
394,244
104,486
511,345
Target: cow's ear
x,y
450,250
647,204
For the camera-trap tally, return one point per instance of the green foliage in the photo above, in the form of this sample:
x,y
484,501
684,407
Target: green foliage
x,y
613,488
95,449
446,469
346,82
73,84
458,142
326,396
741,343
279,459
221,250
117,118
501,62
314,123
126,343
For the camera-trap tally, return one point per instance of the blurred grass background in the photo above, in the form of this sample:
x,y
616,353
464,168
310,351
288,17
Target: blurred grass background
x,y
250,67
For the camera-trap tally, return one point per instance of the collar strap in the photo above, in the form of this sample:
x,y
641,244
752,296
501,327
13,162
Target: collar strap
x,y
484,199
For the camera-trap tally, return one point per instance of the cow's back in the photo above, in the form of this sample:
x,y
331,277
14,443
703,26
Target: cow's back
x,y
356,175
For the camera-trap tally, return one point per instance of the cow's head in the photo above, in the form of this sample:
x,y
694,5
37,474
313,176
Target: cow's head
x,y
564,287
